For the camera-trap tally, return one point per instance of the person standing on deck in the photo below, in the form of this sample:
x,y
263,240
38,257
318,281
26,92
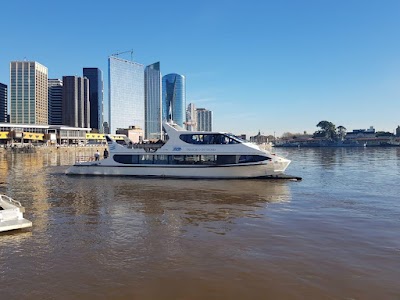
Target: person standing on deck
x,y
97,155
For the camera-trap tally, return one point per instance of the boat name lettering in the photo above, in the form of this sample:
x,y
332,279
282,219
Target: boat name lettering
x,y
177,149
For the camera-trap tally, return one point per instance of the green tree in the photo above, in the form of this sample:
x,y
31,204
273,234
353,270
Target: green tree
x,y
328,130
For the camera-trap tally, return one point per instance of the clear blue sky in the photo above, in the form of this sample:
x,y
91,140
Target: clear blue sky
x,y
274,66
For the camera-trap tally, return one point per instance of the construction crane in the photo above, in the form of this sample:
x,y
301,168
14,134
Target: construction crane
x,y
123,52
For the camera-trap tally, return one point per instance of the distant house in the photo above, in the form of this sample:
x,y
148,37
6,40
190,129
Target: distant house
x,y
361,133
259,139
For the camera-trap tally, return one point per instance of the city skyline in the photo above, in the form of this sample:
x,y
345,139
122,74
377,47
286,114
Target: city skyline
x,y
267,66
73,101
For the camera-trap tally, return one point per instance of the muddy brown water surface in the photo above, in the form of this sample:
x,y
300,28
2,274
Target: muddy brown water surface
x,y
334,235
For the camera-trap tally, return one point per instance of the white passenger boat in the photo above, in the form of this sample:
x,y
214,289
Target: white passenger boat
x,y
11,214
186,154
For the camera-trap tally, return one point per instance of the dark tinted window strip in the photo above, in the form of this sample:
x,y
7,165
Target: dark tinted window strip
x,y
188,159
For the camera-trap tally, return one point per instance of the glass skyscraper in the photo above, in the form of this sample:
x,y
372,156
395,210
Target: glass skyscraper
x,y
95,77
3,103
126,94
152,106
174,98
55,101
28,93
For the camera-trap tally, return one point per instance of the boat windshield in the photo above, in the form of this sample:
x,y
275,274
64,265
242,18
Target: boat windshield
x,y
239,140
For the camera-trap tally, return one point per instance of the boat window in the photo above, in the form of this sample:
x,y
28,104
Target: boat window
x,y
176,159
161,159
226,159
192,159
146,159
126,159
187,159
209,139
252,158
208,159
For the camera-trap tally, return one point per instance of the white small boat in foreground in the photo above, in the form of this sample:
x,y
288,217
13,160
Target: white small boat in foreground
x,y
11,214
186,154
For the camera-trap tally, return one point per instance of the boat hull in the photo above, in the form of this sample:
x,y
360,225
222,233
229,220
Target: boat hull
x,y
218,172
15,224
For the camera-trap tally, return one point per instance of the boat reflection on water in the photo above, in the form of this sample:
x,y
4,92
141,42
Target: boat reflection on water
x,y
15,238
230,191
137,209
259,189
228,201
188,200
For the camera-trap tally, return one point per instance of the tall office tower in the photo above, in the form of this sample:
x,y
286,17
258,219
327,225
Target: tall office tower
x,y
126,94
152,101
191,117
204,119
28,93
95,77
174,98
3,103
75,104
55,101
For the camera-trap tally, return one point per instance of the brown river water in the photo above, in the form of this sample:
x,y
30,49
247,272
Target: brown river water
x,y
333,235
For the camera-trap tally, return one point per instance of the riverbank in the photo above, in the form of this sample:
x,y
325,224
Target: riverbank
x,y
54,149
